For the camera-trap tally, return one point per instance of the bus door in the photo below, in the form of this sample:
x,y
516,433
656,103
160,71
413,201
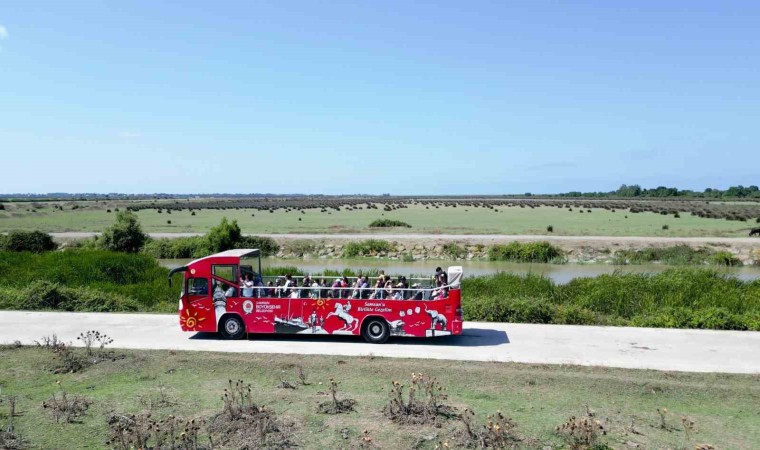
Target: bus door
x,y
197,305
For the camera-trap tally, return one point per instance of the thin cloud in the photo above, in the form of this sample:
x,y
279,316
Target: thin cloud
x,y
129,134
3,32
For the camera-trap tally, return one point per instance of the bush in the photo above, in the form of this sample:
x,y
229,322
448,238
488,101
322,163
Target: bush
x,y
388,223
724,258
550,229
27,241
538,252
454,250
224,236
125,235
368,247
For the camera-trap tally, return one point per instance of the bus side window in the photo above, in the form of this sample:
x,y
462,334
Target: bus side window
x,y
197,286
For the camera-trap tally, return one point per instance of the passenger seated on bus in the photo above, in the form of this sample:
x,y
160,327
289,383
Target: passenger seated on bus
x,y
305,285
401,288
364,289
315,289
389,292
439,292
287,288
248,286
335,288
379,286
345,291
270,291
323,291
418,294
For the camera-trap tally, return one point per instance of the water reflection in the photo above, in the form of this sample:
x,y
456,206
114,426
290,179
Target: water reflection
x,y
560,273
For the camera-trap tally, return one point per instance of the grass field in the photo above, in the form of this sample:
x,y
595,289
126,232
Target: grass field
x,y
445,219
724,408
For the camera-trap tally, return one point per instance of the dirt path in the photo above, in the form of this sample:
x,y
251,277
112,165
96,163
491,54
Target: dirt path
x,y
477,238
635,348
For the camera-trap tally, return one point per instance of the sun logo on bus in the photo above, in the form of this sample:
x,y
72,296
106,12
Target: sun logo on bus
x,y
190,321
320,304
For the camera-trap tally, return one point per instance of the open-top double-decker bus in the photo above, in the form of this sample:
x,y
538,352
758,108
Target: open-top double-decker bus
x,y
226,293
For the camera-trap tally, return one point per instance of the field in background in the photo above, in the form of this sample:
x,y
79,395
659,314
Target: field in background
x,y
724,408
426,219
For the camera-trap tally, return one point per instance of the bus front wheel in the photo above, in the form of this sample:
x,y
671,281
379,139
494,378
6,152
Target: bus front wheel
x,y
376,331
231,327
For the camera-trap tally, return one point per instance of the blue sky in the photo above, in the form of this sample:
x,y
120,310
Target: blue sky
x,y
374,97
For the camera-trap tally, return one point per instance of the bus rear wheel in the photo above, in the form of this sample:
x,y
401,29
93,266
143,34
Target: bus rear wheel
x,y
376,331
231,327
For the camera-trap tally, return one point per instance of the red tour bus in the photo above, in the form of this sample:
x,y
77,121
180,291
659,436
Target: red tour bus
x,y
225,293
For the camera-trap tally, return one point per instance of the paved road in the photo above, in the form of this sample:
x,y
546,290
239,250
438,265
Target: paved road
x,y
468,237
641,348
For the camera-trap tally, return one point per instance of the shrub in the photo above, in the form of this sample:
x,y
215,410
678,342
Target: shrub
x,y
388,223
550,229
27,241
368,247
125,235
724,258
224,236
539,252
454,250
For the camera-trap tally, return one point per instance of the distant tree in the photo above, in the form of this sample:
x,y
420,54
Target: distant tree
x,y
125,235
625,190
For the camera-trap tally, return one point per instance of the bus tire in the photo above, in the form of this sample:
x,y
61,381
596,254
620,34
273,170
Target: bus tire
x,y
376,330
231,327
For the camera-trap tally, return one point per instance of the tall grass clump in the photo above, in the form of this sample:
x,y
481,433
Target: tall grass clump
x,y
536,252
133,276
367,247
389,223
677,255
676,298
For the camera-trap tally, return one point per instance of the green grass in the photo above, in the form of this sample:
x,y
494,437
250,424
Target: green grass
x,y
538,398
677,255
445,219
676,298
136,277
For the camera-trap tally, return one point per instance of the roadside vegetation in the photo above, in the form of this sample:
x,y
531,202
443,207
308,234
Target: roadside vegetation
x,y
87,280
676,298
181,400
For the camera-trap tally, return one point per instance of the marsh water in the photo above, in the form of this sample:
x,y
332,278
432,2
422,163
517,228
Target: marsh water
x,y
560,273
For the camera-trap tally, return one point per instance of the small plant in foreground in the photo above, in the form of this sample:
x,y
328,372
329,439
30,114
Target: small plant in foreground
x,y
498,432
689,426
66,408
663,412
244,424
91,337
336,406
428,408
65,359
130,431
581,433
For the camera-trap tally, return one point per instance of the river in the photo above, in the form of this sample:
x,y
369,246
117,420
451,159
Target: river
x,y
560,273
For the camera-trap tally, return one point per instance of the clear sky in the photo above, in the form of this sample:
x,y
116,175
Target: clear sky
x,y
401,97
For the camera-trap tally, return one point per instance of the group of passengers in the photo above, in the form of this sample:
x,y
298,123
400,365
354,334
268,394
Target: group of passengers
x,y
384,287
